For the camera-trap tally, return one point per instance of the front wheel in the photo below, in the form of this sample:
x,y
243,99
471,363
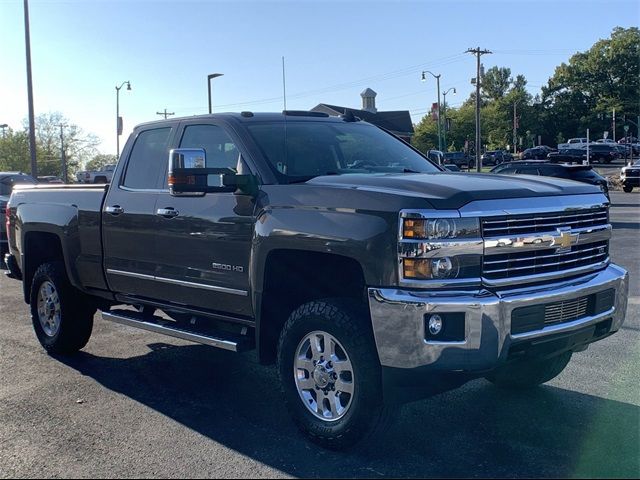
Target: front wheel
x,y
627,189
529,374
330,373
61,315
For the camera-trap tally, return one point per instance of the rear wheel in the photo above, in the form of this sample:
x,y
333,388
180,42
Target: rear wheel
x,y
62,317
330,373
627,189
529,374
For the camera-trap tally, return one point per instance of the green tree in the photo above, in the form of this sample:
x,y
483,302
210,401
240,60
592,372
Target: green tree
x,y
14,151
583,92
496,83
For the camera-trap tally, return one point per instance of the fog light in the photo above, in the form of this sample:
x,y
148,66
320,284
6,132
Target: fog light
x,y
442,267
435,324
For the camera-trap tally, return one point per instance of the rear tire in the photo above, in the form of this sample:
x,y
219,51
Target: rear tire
x,y
627,189
525,375
331,419
62,316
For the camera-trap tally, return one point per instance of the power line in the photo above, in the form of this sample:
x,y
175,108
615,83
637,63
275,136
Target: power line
x,y
165,113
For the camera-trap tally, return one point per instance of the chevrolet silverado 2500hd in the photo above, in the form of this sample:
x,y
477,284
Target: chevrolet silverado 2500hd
x,y
367,273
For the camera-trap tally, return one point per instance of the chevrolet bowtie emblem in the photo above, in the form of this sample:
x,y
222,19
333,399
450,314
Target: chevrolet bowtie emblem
x,y
566,239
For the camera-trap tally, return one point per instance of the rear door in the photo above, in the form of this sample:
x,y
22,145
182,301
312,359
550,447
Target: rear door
x,y
204,244
128,218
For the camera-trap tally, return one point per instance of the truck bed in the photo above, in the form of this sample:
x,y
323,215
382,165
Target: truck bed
x,y
73,213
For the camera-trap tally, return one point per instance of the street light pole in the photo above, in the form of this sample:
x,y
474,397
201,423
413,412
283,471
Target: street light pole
x,y
118,119
437,77
32,121
444,114
209,78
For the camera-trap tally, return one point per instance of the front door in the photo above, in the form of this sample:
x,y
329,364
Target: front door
x,y
204,243
129,220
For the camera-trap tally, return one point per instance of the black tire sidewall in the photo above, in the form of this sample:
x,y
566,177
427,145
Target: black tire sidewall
x,y
366,404
76,316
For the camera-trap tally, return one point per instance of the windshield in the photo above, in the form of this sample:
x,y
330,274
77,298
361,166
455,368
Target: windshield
x,y
328,148
7,183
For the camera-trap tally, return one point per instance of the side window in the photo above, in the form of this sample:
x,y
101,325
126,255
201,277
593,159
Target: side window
x,y
220,149
148,159
528,171
507,171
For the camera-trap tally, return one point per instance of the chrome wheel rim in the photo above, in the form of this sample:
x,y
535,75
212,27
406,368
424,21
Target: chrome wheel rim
x,y
49,311
324,376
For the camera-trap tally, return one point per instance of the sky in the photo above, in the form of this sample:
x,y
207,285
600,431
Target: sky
x,y
82,49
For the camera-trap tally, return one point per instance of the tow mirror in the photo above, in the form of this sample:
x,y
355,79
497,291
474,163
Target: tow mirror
x,y
189,175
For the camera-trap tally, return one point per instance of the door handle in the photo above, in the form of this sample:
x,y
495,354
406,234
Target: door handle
x,y
114,210
169,212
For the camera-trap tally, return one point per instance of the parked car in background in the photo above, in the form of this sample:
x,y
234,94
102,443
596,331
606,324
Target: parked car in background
x,y
496,157
436,156
7,181
603,152
459,159
49,179
606,140
630,176
574,143
579,173
569,155
535,153
99,176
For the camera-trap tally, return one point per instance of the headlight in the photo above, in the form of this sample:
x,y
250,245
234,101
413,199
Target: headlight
x,y
437,250
440,228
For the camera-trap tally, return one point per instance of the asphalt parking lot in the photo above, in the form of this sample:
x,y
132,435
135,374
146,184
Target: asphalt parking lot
x,y
135,404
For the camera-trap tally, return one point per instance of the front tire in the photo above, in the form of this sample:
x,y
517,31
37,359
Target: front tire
x,y
529,374
330,373
62,317
627,189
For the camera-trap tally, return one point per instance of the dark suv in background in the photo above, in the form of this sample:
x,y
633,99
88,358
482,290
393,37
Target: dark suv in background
x,y
7,181
579,173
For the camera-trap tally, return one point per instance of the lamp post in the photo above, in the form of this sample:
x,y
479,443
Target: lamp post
x,y
118,119
444,108
209,78
437,77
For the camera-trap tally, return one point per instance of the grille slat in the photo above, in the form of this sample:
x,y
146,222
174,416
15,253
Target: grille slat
x,y
511,265
566,311
552,260
523,224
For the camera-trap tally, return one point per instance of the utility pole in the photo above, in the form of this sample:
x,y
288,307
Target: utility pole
x,y
614,124
165,113
515,128
32,121
478,53
63,157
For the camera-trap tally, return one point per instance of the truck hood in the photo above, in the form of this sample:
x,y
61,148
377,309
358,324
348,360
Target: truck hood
x,y
454,190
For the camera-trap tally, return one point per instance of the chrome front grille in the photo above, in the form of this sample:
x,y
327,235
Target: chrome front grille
x,y
566,311
543,222
511,265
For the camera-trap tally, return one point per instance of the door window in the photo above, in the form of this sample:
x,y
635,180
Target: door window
x,y
148,159
220,150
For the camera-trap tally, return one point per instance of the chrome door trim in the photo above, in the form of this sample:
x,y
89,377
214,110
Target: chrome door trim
x,y
182,283
130,274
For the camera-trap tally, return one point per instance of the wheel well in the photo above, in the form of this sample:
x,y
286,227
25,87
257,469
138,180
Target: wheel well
x,y
295,277
39,248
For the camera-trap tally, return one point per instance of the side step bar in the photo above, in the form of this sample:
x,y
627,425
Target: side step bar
x,y
157,325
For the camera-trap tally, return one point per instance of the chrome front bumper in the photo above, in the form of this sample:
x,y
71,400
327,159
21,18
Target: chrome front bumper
x,y
398,318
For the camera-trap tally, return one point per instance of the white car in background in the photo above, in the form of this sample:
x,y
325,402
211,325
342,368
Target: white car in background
x,y
97,176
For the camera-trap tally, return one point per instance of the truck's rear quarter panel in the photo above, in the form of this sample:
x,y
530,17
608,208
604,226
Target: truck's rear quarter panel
x,y
72,215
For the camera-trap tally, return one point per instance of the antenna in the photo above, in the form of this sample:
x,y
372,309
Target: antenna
x,y
284,85
284,96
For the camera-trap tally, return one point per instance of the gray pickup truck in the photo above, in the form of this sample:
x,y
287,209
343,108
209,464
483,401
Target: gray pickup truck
x,y
330,247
